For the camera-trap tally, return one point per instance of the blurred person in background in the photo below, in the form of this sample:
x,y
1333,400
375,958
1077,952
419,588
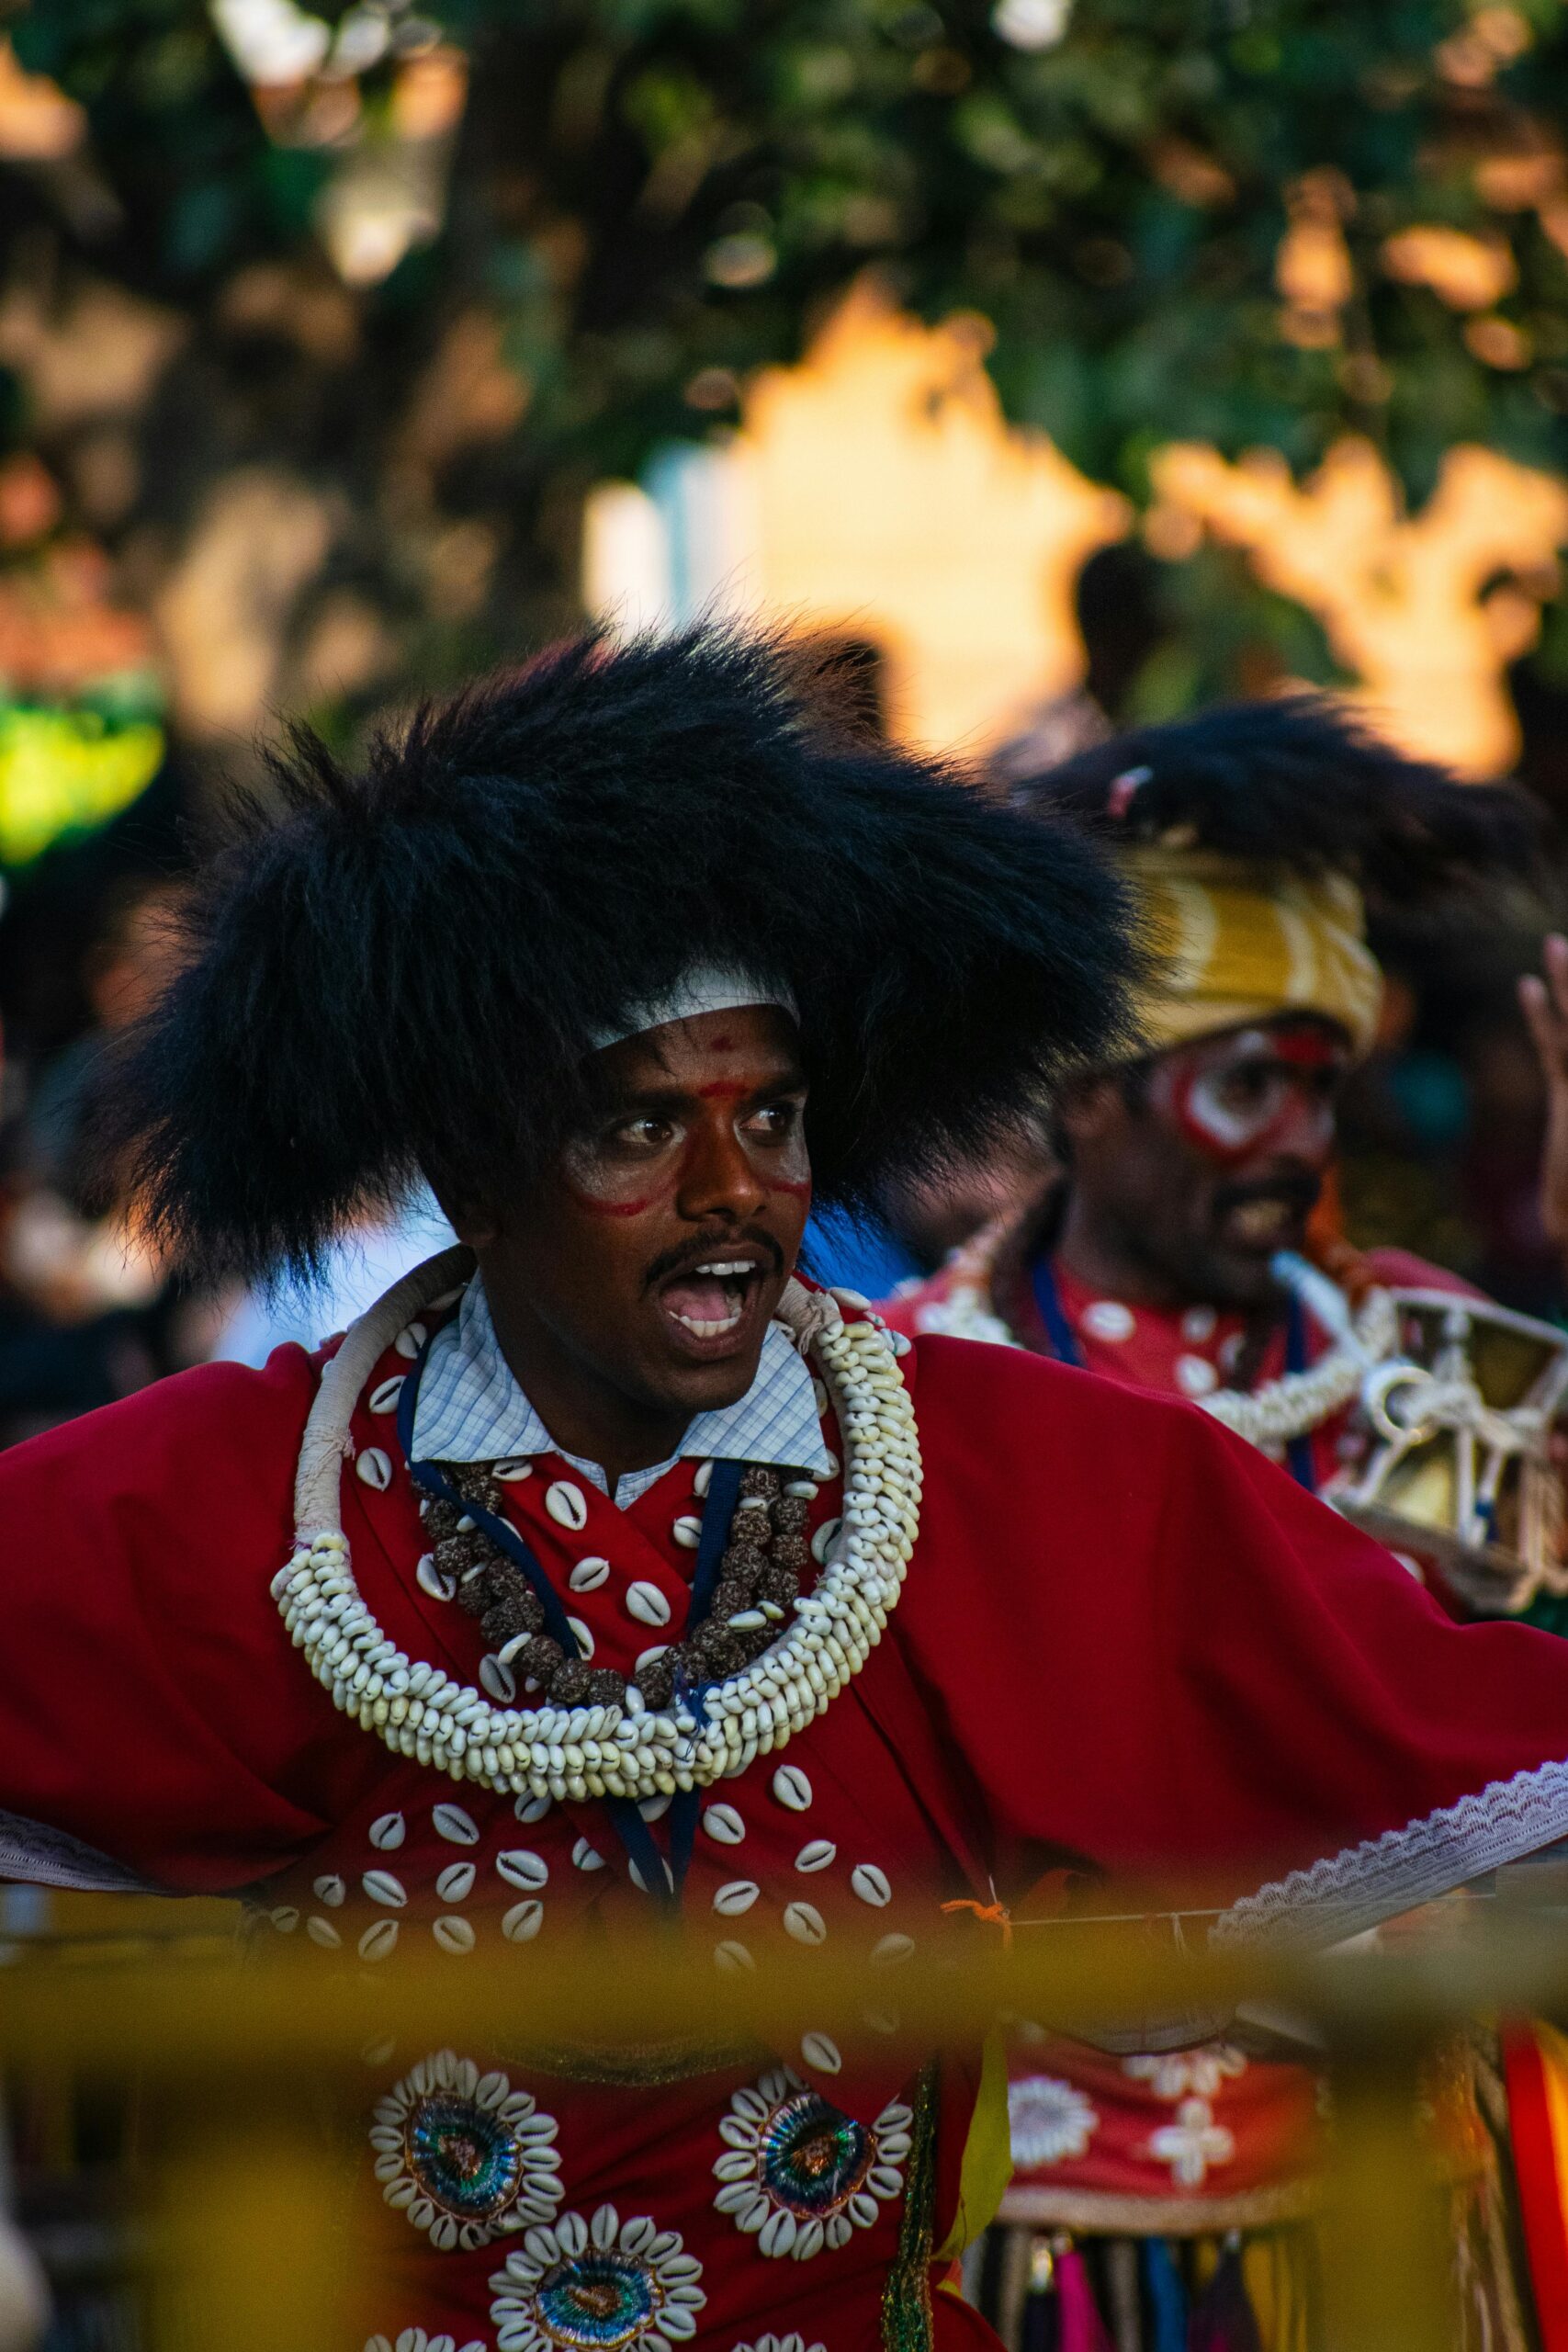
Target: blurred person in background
x,y
1253,838
86,1311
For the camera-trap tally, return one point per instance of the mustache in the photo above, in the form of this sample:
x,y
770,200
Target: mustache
x,y
1298,1191
712,1245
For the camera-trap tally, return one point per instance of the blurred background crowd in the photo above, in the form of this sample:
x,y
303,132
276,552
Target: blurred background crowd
x,y
1058,364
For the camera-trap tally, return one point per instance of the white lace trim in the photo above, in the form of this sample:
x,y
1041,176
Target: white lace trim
x,y
37,1855
1347,1892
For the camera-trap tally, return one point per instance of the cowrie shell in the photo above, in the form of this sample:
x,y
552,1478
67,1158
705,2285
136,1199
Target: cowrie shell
x,y
646,1658
511,1474
635,1872
521,1867
375,1468
382,1887
409,1341
871,1884
731,1956
723,1823
589,1574
653,1808
377,1939
522,1922
330,1890
738,1896
821,2054
687,1531
387,1832
455,1935
455,1883
801,1490
792,1788
818,1854
531,1809
384,1396
322,1932
819,1397
285,1918
647,1603
498,1680
703,1480
777,2233
566,1504
457,1826
585,1857
822,1541
805,1923
434,1580
582,1633
890,1949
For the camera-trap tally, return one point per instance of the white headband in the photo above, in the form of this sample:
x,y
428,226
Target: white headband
x,y
702,988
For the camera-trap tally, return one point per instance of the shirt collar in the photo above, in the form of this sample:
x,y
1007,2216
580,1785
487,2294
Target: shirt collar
x,y
472,1408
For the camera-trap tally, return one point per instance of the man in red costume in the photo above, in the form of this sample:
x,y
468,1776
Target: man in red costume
x,y
605,1566
1167,1253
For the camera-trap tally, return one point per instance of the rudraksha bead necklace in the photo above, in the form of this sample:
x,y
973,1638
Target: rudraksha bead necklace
x,y
764,1561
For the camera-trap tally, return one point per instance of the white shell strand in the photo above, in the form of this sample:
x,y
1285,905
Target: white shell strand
x,y
521,1751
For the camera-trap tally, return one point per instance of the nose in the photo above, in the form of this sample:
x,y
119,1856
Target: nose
x,y
718,1179
1306,1128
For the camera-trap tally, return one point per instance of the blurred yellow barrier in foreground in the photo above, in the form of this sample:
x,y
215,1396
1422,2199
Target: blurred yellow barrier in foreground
x,y
244,2193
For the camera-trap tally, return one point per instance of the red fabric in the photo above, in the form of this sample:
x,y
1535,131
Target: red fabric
x,y
1126,1643
1543,2195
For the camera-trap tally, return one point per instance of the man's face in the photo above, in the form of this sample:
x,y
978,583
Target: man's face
x,y
655,1252
1212,1156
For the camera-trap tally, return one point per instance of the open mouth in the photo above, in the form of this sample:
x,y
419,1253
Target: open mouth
x,y
711,1301
1265,1223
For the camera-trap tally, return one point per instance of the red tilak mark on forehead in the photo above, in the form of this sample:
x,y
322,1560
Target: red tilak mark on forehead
x,y
722,1090
723,1044
1305,1048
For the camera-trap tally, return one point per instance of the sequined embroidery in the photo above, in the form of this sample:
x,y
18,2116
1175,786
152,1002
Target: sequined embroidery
x,y
799,2175
464,2155
601,2286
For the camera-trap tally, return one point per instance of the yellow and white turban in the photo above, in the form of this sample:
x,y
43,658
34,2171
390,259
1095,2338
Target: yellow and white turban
x,y
1234,941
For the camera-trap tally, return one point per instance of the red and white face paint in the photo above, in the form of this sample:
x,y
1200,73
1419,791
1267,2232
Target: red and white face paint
x,y
1262,1094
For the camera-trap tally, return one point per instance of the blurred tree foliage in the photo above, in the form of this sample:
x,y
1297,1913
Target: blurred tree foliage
x,y
1235,220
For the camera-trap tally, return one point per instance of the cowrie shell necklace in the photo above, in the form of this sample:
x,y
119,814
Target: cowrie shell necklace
x,y
629,1750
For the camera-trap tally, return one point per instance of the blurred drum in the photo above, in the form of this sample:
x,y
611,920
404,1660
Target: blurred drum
x,y
1461,1465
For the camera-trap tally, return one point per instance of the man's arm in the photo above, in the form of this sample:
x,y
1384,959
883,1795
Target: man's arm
x,y
1158,1653
154,1721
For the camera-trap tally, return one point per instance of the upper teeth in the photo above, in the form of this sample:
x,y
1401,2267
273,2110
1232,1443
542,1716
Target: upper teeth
x,y
728,1266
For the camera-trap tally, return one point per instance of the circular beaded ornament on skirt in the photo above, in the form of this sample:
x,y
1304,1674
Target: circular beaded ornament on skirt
x,y
463,2154
799,2175
600,2286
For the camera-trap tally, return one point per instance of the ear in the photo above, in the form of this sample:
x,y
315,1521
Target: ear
x,y
1089,1108
469,1220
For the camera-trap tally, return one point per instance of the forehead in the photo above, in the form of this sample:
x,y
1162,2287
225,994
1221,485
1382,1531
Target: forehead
x,y
1301,1041
753,1046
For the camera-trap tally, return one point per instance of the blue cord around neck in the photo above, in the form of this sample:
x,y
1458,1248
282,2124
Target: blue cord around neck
x,y
660,1879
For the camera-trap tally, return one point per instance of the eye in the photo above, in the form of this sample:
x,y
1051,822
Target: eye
x,y
775,1120
644,1134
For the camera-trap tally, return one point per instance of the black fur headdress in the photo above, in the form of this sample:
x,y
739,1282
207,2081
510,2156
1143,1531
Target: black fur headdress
x,y
400,970
1296,782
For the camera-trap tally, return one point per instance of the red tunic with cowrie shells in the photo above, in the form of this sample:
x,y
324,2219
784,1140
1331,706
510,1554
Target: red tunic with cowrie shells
x,y
1200,2140
1126,1644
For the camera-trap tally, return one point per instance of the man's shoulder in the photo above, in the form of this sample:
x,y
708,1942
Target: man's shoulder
x,y
1396,1269
965,1383
201,1429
